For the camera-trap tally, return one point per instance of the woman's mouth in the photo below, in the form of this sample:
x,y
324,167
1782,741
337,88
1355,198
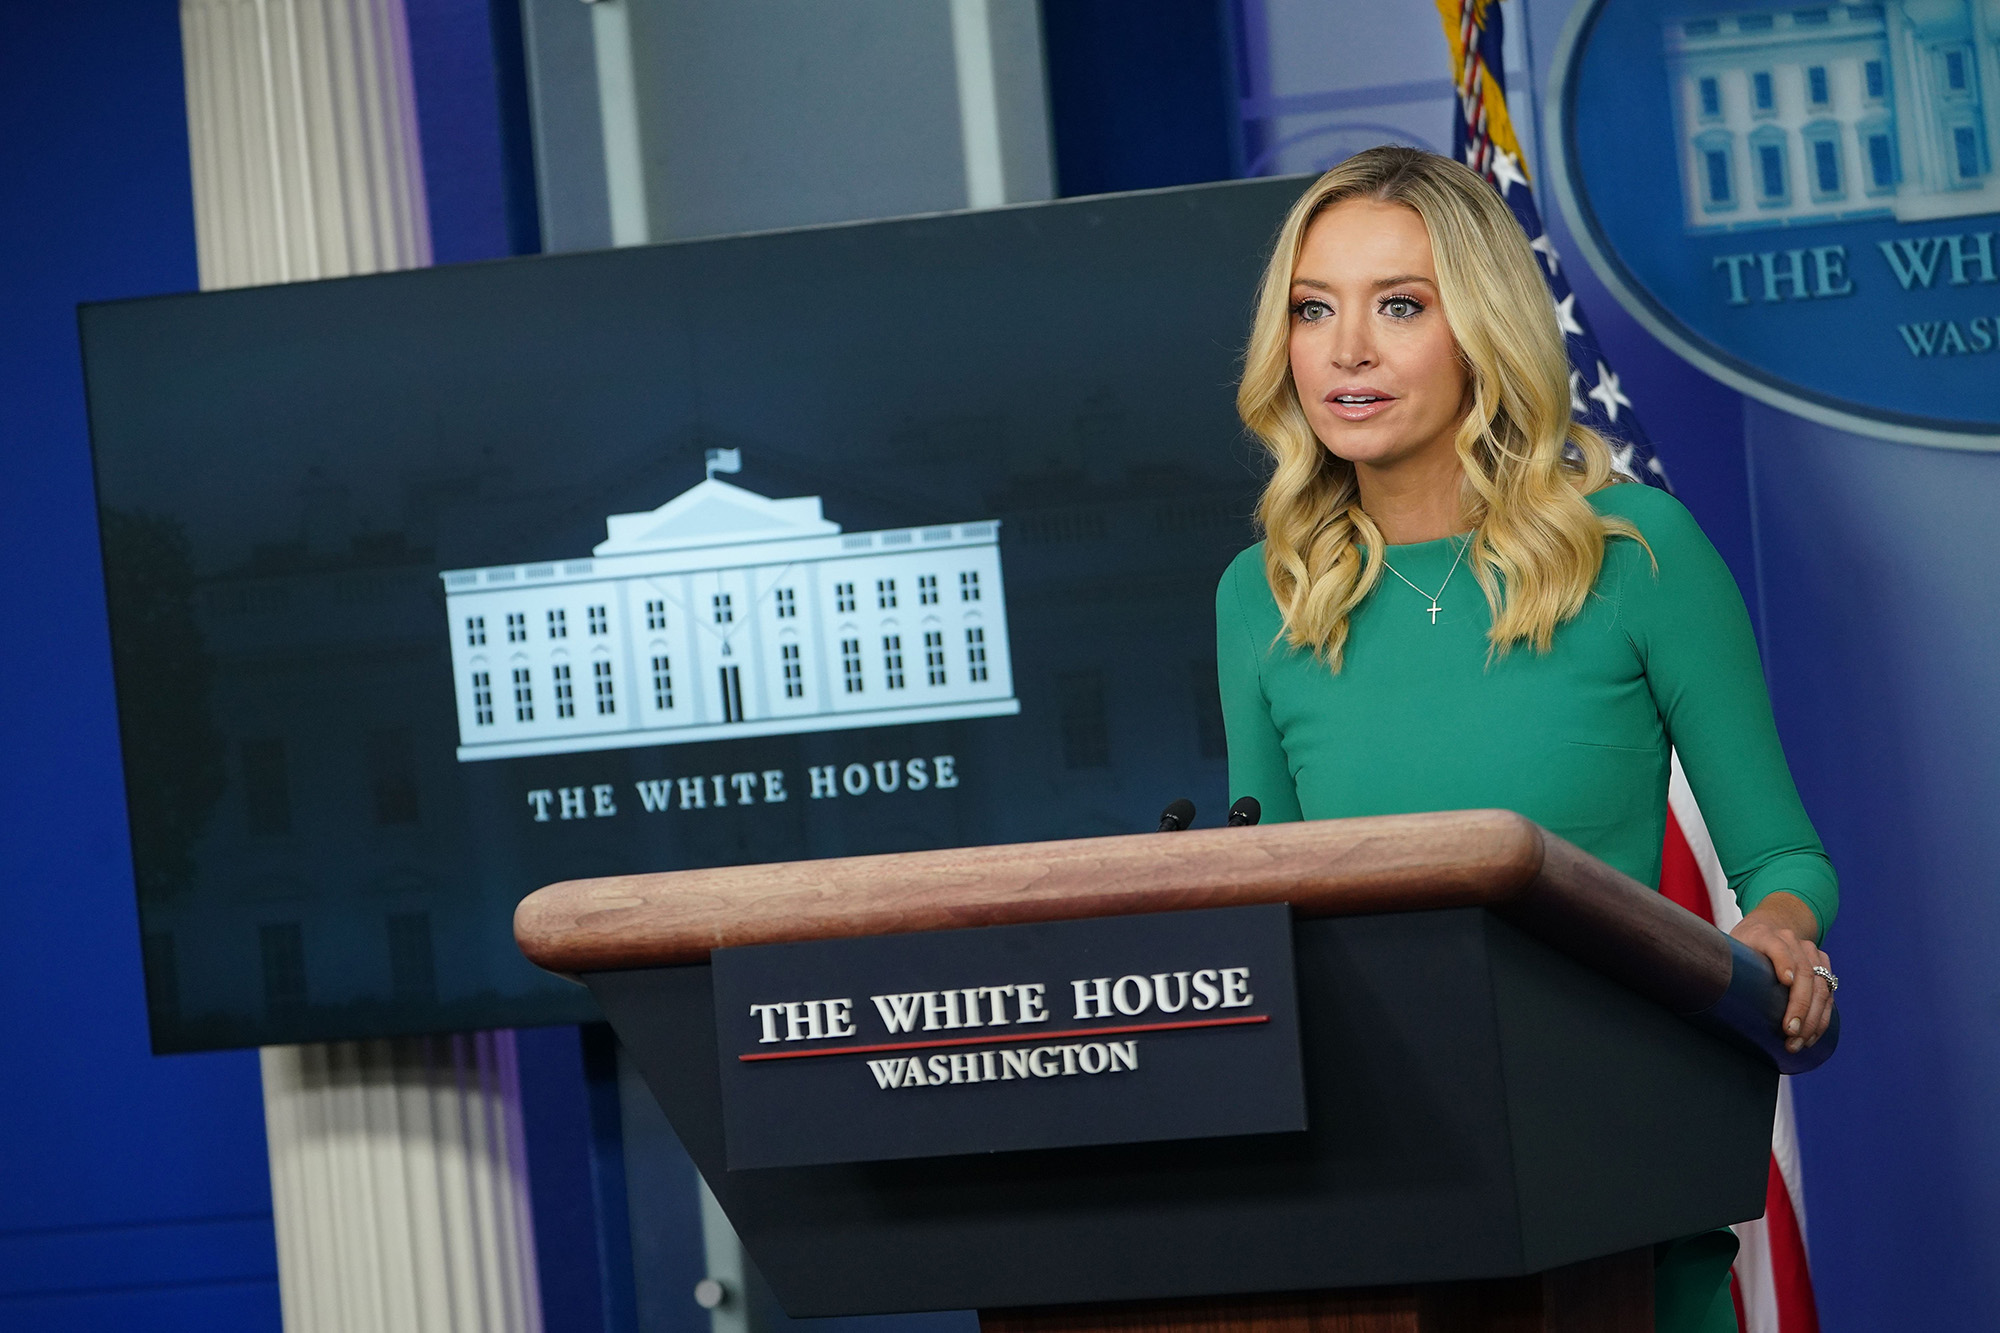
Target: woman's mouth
x,y
1358,404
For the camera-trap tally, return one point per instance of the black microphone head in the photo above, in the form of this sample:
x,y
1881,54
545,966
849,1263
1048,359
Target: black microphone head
x,y
1245,812
1177,816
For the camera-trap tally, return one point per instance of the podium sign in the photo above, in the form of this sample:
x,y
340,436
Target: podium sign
x,y
1176,1025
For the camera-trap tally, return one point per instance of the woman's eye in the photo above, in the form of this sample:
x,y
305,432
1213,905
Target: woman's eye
x,y
1402,307
1311,311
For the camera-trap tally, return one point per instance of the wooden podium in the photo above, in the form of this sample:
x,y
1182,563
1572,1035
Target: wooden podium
x,y
1523,1070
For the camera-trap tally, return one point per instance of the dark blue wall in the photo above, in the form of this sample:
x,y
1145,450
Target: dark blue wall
x,y
133,1191
1142,93
471,80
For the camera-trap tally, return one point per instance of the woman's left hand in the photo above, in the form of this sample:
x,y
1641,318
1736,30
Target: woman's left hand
x,y
1784,930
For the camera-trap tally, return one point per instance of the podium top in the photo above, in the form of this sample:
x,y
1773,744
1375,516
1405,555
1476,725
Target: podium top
x,y
1338,867
1335,867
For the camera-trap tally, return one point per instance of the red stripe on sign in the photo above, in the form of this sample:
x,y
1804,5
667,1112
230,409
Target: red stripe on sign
x,y
1012,1036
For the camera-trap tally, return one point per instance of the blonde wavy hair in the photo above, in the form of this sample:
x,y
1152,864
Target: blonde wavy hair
x,y
1537,545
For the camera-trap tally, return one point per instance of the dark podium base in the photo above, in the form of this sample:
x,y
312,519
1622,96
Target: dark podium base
x,y
1483,1111
1609,1295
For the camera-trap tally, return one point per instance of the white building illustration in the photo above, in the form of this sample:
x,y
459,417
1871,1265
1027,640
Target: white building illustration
x,y
725,614
1827,113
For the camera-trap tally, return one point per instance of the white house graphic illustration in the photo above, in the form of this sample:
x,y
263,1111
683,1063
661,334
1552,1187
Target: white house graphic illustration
x,y
725,614
1835,112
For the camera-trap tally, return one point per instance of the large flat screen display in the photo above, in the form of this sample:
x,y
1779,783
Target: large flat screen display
x,y
430,588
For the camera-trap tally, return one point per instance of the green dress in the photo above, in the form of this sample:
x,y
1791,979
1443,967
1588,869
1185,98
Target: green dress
x,y
1422,717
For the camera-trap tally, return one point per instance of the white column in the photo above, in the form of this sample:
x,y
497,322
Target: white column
x,y
399,1180
302,127
618,109
978,103
399,1185
1002,101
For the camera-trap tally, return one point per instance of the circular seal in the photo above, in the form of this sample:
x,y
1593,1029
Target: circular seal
x,y
1802,202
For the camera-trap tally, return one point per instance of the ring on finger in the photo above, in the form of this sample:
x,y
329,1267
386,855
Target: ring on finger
x,y
1826,975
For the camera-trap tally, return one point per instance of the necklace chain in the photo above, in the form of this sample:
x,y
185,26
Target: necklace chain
x,y
1432,597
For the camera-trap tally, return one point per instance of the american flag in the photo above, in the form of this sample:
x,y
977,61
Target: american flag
x,y
1483,138
1771,1281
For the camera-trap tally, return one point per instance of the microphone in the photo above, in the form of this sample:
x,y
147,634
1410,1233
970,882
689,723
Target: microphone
x,y
1177,816
1245,812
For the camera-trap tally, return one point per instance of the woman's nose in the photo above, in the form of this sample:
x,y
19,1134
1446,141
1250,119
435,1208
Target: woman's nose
x,y
1352,348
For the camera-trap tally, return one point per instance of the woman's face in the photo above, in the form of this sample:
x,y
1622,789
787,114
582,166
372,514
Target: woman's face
x,y
1377,369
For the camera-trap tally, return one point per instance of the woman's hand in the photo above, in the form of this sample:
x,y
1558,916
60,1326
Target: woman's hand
x,y
1783,929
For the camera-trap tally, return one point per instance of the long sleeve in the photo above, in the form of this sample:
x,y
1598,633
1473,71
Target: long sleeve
x,y
1257,763
1693,635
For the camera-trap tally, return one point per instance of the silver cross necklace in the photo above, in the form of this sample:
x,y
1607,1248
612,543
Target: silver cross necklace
x,y
1432,597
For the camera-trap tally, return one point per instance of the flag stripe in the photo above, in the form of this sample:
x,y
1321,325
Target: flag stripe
x,y
1791,1278
1772,1279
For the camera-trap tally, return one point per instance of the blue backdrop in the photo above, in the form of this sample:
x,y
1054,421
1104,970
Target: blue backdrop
x,y
133,1191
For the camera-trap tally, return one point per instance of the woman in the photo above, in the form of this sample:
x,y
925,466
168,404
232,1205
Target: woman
x,y
1454,607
